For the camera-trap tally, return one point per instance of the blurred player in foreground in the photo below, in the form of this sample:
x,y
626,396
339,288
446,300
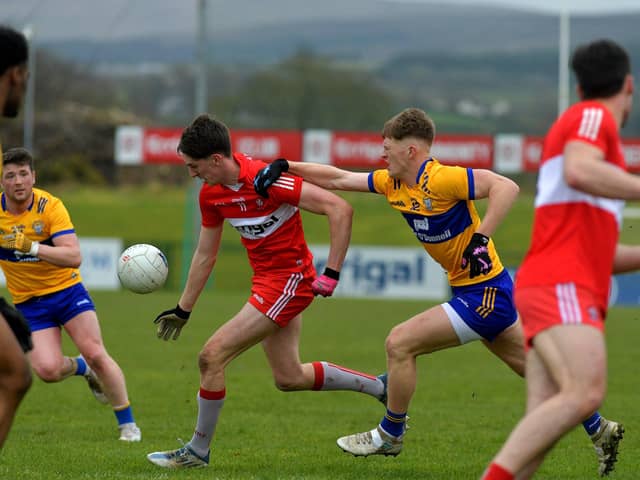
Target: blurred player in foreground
x,y
562,287
437,201
15,337
40,256
284,279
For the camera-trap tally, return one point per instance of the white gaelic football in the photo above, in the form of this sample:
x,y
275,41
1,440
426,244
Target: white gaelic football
x,y
142,268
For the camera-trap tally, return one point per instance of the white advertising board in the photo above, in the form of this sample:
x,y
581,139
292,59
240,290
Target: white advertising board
x,y
387,272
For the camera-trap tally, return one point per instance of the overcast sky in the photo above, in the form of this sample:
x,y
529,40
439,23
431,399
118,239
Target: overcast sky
x,y
578,6
114,19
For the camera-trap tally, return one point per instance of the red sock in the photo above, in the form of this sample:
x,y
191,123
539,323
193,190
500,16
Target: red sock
x,y
496,472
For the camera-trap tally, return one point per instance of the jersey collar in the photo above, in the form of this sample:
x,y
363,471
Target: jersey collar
x,y
421,169
3,201
241,160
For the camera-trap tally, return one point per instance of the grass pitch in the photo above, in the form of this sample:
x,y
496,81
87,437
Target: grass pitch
x,y
465,405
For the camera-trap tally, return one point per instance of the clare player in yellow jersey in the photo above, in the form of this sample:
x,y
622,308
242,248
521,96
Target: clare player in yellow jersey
x,y
15,337
437,202
40,256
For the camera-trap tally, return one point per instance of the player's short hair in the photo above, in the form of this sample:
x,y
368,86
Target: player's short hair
x,y
600,67
204,137
18,156
14,49
411,122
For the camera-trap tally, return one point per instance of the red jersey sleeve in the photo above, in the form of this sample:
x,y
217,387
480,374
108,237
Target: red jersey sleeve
x,y
286,189
211,216
594,125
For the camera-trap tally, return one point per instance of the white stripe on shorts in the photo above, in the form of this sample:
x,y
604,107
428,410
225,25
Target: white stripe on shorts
x,y
288,293
568,303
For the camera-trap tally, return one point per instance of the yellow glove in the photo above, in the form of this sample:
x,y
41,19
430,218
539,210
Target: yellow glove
x,y
18,241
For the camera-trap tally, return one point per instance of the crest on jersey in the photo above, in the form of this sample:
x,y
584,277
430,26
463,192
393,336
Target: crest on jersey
x,y
427,204
38,227
259,203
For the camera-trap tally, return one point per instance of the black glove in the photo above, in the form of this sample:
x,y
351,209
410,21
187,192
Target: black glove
x,y
477,254
170,322
268,176
18,324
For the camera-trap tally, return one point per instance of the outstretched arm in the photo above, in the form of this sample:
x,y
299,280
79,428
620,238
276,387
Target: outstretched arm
x,y
325,176
330,177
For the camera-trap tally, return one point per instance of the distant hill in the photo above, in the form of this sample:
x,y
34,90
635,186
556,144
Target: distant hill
x,y
375,38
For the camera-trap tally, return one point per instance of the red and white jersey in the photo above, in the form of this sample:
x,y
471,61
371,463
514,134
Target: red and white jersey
x,y
574,233
271,228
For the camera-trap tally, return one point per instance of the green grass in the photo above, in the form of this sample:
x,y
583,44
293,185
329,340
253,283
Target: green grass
x,y
465,405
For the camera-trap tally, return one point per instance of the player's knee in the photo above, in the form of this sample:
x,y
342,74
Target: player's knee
x,y
209,361
591,401
23,382
49,372
394,344
18,379
96,358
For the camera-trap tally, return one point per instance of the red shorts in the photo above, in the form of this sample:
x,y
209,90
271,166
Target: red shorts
x,y
545,306
282,297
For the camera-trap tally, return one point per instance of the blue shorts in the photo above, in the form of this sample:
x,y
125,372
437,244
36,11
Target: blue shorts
x,y
57,308
483,310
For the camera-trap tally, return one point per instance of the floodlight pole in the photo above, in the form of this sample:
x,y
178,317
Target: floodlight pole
x,y
201,46
29,99
192,214
563,61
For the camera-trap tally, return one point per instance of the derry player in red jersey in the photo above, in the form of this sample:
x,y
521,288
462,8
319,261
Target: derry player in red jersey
x,y
562,287
284,279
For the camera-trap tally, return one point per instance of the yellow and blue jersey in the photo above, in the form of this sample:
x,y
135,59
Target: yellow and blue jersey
x,y
440,211
28,276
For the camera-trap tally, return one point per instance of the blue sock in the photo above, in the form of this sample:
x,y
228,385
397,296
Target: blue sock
x,y
124,414
82,366
592,424
393,423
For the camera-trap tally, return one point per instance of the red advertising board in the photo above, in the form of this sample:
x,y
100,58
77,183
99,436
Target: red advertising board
x,y
531,153
159,144
471,151
268,144
356,150
631,148
364,150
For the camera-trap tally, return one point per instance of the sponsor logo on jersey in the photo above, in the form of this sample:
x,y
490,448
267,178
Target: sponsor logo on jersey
x,y
258,298
415,205
258,228
397,203
420,224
